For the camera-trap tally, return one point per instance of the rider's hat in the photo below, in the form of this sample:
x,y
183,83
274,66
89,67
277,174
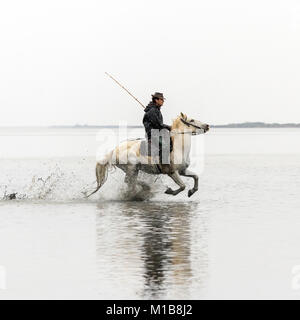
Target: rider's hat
x,y
158,95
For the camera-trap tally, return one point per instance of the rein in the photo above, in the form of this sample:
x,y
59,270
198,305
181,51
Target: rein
x,y
189,124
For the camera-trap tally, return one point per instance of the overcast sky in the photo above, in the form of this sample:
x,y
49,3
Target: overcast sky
x,y
218,61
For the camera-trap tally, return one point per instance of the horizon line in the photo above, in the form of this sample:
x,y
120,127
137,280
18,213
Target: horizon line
x,y
249,124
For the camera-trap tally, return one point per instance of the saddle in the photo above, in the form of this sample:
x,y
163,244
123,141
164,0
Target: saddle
x,y
145,149
156,156
153,150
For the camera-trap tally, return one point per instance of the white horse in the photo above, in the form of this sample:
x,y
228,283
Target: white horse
x,y
128,158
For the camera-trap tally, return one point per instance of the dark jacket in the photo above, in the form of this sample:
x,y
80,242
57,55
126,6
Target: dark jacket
x,y
153,119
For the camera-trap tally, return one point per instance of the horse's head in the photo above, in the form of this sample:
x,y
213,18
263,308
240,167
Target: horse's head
x,y
188,125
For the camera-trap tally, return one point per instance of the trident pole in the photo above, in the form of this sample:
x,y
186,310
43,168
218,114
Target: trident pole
x,y
125,89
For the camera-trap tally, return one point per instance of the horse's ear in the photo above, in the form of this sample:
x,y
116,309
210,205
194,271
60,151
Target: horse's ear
x,y
183,116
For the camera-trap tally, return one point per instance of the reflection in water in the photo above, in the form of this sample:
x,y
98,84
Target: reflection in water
x,y
166,244
153,245
156,249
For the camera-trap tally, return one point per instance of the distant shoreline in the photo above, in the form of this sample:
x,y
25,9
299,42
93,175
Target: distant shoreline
x,y
257,125
244,125
230,125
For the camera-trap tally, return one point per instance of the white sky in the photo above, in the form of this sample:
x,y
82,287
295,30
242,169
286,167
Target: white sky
x,y
218,61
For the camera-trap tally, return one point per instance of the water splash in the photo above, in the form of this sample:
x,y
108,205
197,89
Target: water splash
x,y
62,180
72,179
42,179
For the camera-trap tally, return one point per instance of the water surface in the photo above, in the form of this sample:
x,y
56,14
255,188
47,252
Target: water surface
x,y
238,237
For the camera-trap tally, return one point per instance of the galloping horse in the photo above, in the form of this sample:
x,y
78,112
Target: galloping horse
x,y
181,131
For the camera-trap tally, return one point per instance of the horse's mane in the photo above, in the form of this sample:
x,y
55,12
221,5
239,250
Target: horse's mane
x,y
177,123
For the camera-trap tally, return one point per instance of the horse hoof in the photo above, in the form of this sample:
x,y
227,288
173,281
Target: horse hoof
x,y
190,193
12,196
169,191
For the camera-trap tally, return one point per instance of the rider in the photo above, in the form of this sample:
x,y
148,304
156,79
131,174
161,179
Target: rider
x,y
153,119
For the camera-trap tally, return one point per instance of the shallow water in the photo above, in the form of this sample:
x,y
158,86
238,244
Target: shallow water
x,y
238,237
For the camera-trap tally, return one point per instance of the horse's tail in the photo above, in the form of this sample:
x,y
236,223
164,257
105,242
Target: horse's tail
x,y
102,171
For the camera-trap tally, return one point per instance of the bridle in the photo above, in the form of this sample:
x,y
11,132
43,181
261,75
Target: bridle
x,y
189,125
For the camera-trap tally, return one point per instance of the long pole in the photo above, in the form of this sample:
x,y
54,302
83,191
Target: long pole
x,y
125,89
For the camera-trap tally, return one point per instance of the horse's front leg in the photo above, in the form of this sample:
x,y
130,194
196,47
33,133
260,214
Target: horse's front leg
x,y
187,173
176,178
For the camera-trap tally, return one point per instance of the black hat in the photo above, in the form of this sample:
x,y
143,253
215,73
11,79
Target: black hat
x,y
158,95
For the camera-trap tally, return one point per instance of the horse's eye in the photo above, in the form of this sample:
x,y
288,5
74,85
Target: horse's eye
x,y
192,120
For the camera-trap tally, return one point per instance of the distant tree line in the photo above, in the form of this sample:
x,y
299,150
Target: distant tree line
x,y
257,125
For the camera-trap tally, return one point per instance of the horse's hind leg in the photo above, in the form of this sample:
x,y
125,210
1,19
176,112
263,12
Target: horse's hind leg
x,y
175,176
131,177
144,185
